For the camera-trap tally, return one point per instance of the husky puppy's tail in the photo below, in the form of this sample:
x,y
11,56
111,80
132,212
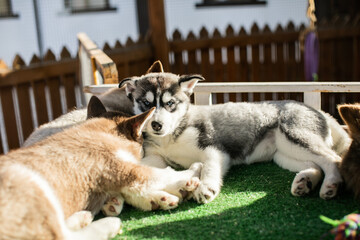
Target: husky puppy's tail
x,y
340,138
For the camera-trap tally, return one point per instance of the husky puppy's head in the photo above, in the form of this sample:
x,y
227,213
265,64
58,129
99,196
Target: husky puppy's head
x,y
169,93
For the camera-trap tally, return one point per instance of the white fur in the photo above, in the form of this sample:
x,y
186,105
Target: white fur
x,y
166,97
183,151
264,151
149,96
125,156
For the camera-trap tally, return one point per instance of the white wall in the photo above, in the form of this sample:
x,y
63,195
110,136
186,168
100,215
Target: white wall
x,y
60,28
184,16
18,35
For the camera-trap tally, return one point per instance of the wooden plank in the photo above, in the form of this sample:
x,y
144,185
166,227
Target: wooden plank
x,y
103,63
280,62
267,64
133,53
218,67
192,64
244,66
53,84
291,64
313,99
205,66
42,71
255,61
356,57
40,101
232,73
27,123
9,117
178,66
69,81
203,98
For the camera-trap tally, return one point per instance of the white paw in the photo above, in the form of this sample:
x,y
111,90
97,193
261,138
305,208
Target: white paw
x,y
301,185
113,206
79,220
205,193
105,228
329,188
189,188
165,201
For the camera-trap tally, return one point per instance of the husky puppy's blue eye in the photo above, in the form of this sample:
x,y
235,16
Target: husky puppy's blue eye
x,y
170,103
146,102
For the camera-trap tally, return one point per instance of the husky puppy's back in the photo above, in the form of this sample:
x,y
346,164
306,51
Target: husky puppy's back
x,y
350,166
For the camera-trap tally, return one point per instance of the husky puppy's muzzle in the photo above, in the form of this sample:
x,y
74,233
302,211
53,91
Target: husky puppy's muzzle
x,y
156,126
161,123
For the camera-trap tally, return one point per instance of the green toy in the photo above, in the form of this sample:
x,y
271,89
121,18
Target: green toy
x,y
346,228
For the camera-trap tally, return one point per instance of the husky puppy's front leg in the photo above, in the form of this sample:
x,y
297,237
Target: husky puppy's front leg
x,y
215,165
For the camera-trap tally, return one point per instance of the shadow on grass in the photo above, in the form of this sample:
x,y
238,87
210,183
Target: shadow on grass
x,y
255,203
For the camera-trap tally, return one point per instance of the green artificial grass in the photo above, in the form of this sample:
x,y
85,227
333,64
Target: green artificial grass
x,y
255,203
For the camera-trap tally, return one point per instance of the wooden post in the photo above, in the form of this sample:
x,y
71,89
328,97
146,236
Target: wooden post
x,y
158,32
203,98
313,99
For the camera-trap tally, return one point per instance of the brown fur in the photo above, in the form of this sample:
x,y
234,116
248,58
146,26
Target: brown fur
x,y
350,166
82,168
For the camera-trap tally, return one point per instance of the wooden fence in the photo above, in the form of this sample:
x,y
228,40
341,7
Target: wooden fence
x,y
46,88
265,55
33,94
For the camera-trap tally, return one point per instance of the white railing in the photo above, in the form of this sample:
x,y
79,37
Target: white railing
x,y
311,90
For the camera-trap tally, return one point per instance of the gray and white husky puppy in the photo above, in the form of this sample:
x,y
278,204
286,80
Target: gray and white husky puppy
x,y
297,137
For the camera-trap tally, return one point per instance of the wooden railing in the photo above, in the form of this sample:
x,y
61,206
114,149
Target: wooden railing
x,y
311,90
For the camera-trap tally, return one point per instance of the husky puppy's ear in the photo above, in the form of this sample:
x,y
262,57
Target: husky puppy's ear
x,y
350,113
188,82
95,108
129,84
138,122
156,67
125,81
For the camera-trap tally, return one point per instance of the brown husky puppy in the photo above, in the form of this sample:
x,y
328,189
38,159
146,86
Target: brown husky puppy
x,y
79,168
350,166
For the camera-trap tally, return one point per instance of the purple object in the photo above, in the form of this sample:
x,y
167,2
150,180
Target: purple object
x,y
311,56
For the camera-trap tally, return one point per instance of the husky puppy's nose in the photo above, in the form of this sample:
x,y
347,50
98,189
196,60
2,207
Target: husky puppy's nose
x,y
156,126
